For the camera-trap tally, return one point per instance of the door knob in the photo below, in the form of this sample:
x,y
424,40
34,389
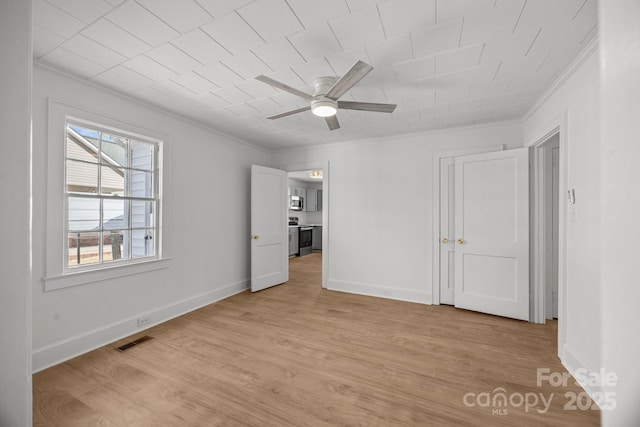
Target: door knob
x,y
460,241
445,240
255,236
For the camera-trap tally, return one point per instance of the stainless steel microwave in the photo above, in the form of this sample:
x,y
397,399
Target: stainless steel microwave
x,y
296,203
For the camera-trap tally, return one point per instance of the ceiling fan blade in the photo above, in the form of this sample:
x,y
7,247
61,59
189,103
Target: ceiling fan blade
x,y
332,121
290,112
284,87
367,106
346,82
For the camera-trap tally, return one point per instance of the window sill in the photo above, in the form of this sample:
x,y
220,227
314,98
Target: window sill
x,y
53,283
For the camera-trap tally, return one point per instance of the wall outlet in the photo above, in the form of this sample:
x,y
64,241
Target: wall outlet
x,y
144,320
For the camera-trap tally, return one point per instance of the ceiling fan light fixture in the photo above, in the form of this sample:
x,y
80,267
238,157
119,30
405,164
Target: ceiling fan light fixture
x,y
324,107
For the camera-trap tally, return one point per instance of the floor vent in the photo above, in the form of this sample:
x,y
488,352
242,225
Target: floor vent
x,y
134,343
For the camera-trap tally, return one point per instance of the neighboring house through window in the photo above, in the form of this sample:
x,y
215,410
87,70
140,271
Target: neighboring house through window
x,y
111,197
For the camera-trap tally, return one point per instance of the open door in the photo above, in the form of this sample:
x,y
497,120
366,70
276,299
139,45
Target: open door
x,y
492,233
269,233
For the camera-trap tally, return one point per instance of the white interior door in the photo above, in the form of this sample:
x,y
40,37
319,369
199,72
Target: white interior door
x,y
269,231
447,230
492,233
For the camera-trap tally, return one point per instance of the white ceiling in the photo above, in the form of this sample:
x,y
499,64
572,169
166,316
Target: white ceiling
x,y
446,63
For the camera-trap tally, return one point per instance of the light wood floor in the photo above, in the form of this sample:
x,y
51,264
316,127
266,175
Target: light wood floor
x,y
297,355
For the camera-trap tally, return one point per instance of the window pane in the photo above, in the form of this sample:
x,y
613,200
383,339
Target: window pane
x,y
82,144
82,177
115,245
142,214
142,155
112,180
141,184
142,243
114,150
84,214
115,214
83,248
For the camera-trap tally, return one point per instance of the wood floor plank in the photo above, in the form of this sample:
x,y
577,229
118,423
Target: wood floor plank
x,y
298,355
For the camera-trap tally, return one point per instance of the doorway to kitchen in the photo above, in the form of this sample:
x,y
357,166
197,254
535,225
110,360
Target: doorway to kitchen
x,y
308,217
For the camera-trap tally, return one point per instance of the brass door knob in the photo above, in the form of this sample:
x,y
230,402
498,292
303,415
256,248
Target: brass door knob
x,y
255,236
460,241
445,240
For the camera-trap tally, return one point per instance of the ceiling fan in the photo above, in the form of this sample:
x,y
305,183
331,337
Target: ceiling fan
x,y
324,102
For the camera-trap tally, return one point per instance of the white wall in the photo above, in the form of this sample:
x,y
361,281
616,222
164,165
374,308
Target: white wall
x,y
206,202
15,183
576,101
620,290
381,207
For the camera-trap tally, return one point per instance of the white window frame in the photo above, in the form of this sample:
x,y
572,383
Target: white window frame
x,y
58,274
74,121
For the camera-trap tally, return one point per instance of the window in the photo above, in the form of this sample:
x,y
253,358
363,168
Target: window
x,y
111,197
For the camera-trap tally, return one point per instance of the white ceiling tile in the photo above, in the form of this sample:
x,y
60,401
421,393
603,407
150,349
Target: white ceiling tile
x,y
152,96
44,41
458,59
519,66
243,110
211,101
271,19
171,88
201,47
452,93
85,10
55,20
400,15
358,28
123,79
233,33
194,82
115,38
84,46
470,76
232,94
421,101
436,39
222,7
173,58
315,43
311,15
397,92
355,5
114,3
391,51
513,46
256,89
481,90
183,16
265,105
416,69
70,62
309,72
279,53
247,65
219,74
490,24
287,100
149,68
450,10
141,23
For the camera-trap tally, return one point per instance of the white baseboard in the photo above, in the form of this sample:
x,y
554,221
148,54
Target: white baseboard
x,y
408,295
577,368
54,354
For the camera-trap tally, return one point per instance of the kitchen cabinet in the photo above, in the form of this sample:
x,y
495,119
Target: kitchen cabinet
x,y
311,202
316,238
293,241
319,199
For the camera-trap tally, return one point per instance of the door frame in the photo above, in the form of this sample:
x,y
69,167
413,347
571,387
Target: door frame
x,y
324,165
535,143
435,238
